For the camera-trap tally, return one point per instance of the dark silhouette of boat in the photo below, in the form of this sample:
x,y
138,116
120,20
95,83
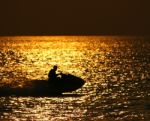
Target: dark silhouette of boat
x,y
67,83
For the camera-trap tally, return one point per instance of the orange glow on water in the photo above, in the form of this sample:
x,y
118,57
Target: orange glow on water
x,y
33,56
116,71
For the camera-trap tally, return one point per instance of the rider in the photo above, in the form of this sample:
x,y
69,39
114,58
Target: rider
x,y
52,74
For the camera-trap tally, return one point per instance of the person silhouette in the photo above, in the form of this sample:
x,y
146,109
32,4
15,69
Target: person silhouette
x,y
52,76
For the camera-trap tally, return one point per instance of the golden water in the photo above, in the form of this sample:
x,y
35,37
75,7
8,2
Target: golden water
x,y
116,71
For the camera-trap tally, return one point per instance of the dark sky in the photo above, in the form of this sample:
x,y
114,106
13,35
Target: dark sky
x,y
54,17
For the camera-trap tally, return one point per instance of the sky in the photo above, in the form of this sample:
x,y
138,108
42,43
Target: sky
x,y
74,17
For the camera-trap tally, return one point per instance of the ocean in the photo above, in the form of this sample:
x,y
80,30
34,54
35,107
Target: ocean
x,y
116,70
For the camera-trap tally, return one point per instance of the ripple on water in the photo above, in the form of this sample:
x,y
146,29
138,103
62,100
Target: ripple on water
x,y
116,70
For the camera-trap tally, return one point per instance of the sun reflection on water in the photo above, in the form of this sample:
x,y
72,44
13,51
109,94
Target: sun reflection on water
x,y
116,70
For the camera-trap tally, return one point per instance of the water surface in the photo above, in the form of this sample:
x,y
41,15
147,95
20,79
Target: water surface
x,y
116,71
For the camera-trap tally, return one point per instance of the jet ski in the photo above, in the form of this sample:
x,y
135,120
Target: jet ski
x,y
63,84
